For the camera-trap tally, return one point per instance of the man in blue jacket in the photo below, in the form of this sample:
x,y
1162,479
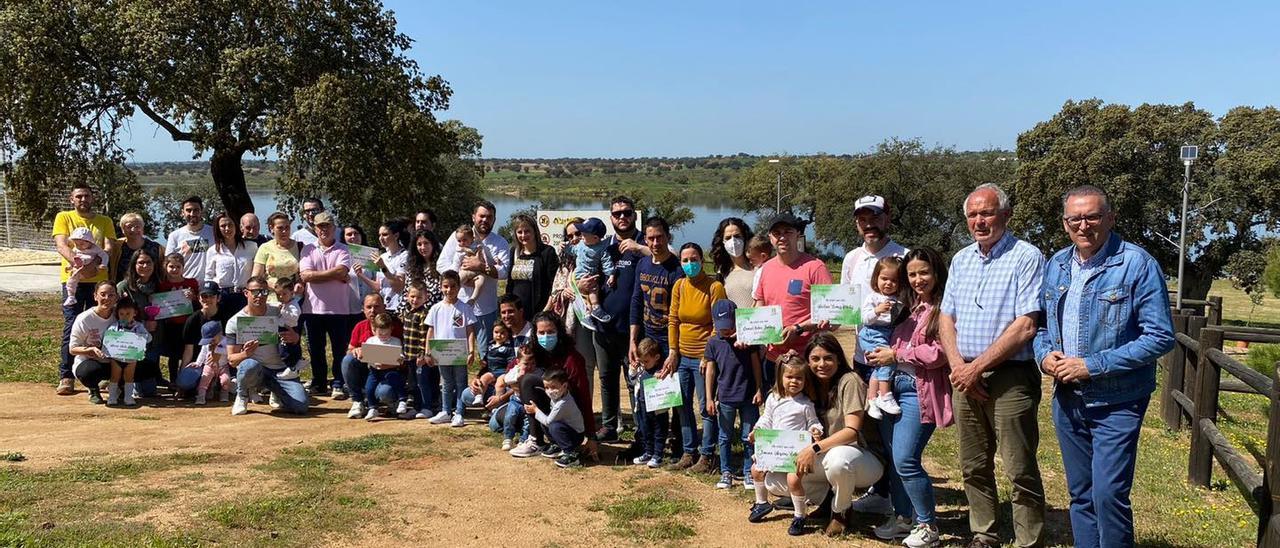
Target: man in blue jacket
x,y
1106,320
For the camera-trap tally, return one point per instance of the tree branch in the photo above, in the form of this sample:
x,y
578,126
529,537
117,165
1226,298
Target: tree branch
x,y
174,132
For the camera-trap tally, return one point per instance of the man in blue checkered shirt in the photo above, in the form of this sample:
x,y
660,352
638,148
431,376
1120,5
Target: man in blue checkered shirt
x,y
989,314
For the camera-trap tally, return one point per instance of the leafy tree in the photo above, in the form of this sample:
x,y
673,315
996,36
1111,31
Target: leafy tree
x,y
325,85
668,205
1246,272
1271,274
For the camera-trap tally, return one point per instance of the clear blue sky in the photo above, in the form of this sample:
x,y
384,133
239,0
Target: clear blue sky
x,y
615,79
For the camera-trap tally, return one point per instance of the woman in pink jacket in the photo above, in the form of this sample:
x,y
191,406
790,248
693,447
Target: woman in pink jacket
x,y
924,393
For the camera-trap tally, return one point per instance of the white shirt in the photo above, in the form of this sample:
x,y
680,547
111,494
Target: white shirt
x,y
450,321
199,243
267,354
788,413
203,357
87,330
305,236
857,268
230,269
395,263
499,250
869,303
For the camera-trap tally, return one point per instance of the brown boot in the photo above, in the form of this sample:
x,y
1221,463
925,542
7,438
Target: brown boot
x,y
837,526
685,462
704,465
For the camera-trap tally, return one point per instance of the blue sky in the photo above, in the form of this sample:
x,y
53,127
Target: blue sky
x,y
614,79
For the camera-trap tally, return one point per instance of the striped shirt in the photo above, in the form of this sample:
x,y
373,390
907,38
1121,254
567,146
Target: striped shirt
x,y
986,293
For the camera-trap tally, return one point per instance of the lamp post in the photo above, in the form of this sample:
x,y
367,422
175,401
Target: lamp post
x,y
777,204
1188,155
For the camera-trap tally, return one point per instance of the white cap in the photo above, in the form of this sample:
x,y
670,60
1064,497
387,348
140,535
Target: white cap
x,y
872,202
81,233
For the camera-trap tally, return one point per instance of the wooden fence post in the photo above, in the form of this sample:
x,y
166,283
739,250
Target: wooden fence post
x,y
1175,368
1194,325
1214,310
1268,513
1200,463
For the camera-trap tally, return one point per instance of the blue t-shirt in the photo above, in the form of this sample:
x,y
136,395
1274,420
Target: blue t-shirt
x,y
617,300
735,383
651,298
498,357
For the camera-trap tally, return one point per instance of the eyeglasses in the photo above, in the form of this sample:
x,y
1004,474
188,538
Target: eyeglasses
x,y
623,213
258,292
1085,220
572,235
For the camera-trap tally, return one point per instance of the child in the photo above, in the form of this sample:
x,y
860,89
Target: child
x,y
84,250
733,388
451,319
591,256
414,349
515,416
564,423
496,361
213,358
788,408
759,249
651,426
390,374
879,310
290,353
171,328
467,247
126,315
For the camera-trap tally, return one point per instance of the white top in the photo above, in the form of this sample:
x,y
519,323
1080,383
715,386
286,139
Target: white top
x,y
91,253
289,314
87,330
267,354
788,413
198,246
305,236
450,321
395,263
499,250
857,268
869,304
228,268
203,357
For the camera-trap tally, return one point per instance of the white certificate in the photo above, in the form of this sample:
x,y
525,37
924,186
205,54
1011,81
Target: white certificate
x,y
385,354
838,304
776,450
264,329
660,394
761,325
449,351
124,346
171,304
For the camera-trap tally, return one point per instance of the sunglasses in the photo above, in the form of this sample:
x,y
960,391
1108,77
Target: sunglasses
x,y
258,292
623,213
313,211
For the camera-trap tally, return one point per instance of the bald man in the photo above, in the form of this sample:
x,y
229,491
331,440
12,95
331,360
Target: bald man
x,y
250,229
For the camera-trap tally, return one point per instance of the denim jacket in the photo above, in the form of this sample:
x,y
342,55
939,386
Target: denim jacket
x,y
1125,322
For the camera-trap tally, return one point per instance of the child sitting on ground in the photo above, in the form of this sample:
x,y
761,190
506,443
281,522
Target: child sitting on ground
x,y
651,426
496,361
564,422
83,251
591,256
514,422
213,360
123,370
788,408
389,374
880,312
473,281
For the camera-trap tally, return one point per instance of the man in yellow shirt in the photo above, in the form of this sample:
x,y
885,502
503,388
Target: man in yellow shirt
x,y
104,234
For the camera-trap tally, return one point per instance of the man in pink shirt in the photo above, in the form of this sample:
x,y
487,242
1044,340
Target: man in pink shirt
x,y
784,281
323,268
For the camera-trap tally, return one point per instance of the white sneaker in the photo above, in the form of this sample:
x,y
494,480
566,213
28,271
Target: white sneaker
x,y
479,400
239,407
402,407
440,418
873,409
274,401
200,398
887,404
506,444
871,503
458,421
338,394
527,449
113,394
372,414
357,410
924,534
894,527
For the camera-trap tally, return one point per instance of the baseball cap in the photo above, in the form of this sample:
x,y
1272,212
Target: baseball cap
x,y
722,313
872,202
209,288
592,226
785,218
209,330
322,218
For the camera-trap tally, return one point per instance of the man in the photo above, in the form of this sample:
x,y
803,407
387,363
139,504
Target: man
x,y
310,208
193,240
511,311
258,365
871,216
486,304
251,229
785,281
354,370
988,318
424,220
1106,321
81,215
323,269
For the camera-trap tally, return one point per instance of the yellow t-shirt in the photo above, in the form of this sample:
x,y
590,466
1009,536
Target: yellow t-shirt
x,y
279,262
102,228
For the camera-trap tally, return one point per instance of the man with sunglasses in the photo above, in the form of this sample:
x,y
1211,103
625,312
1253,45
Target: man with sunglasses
x,y
307,234
988,319
258,364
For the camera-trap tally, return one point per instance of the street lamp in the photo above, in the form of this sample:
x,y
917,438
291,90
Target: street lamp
x,y
1188,155
777,204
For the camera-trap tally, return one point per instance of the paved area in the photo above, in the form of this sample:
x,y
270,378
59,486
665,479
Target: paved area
x,y
29,279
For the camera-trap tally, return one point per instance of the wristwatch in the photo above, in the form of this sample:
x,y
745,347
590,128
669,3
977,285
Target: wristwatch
x,y
799,329
816,448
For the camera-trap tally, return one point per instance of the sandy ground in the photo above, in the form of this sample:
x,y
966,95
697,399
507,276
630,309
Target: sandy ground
x,y
12,255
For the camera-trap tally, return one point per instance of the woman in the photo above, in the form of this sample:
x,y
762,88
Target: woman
x,y
839,464
134,239
422,266
554,349
922,387
729,254
277,258
229,264
394,239
533,264
139,283
358,280
689,319
91,365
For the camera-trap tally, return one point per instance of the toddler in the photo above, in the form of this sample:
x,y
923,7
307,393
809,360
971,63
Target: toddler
x,y
514,422
564,422
468,247
496,361
788,408
290,353
126,320
880,311
390,374
84,250
213,358
759,249
591,256
651,426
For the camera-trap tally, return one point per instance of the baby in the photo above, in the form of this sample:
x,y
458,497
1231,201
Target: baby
x,y
468,247
84,251
593,259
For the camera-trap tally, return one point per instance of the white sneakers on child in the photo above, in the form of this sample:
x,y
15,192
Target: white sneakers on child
x,y
357,410
402,408
922,536
372,415
458,421
240,407
440,418
506,443
887,404
528,448
479,400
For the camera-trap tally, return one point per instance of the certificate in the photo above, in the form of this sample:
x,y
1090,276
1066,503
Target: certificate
x,y
448,351
661,394
838,304
172,304
124,346
776,449
364,255
386,354
264,329
761,325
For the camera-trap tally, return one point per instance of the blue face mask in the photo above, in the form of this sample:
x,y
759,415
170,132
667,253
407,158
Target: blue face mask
x,y
547,342
692,269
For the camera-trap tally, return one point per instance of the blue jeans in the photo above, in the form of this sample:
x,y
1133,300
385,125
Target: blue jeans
x,y
453,384
337,329
881,486
884,372
651,427
909,487
355,373
726,414
565,436
515,419
691,381
484,329
84,301
252,375
428,389
1099,449
386,382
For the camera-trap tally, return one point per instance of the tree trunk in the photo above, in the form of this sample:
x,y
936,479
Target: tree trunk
x,y
1198,282
228,176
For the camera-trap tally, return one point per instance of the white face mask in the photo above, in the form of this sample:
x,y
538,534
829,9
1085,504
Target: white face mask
x,y
555,394
734,246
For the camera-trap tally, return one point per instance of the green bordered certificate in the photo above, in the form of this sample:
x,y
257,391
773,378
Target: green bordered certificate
x,y
124,346
838,304
364,255
660,394
172,304
264,329
448,351
776,450
761,325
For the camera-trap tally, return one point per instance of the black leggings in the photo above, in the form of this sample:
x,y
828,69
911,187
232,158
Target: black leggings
x,y
92,372
531,390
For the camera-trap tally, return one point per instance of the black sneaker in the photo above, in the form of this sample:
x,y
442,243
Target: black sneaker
x,y
784,503
568,459
606,434
552,451
95,397
602,316
797,526
758,511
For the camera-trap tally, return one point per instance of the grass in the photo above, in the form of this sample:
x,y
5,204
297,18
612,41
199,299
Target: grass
x,y
649,515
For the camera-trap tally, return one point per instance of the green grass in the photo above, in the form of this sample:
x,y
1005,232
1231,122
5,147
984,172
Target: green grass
x,y
649,516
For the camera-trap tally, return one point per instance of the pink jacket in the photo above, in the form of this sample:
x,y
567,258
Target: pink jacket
x,y
933,384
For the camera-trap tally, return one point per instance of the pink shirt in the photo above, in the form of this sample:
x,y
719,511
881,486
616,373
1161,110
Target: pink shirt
x,y
933,384
332,296
788,286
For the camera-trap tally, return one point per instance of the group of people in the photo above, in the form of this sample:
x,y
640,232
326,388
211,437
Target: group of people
x,y
965,342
